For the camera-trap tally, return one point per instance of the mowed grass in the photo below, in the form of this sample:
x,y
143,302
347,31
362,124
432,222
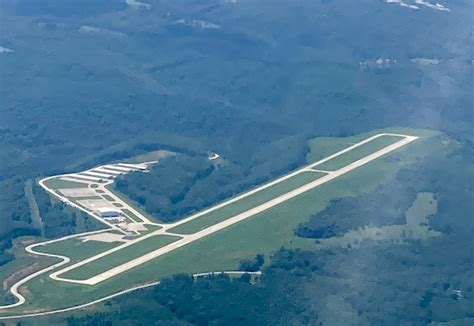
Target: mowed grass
x,y
107,197
57,183
358,153
246,203
129,213
120,257
263,233
76,249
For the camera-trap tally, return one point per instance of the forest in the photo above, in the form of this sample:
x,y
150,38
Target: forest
x,y
102,82
432,277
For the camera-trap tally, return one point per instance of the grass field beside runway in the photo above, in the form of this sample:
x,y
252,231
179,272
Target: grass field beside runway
x,y
246,203
119,257
358,153
76,249
56,183
261,234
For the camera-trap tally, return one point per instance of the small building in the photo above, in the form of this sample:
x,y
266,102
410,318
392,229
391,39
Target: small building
x,y
109,212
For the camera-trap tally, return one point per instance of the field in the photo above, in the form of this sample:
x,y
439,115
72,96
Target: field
x,y
246,203
56,183
262,233
76,249
119,257
358,153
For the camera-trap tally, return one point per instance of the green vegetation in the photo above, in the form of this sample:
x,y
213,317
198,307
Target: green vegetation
x,y
76,249
149,157
22,265
57,183
261,234
433,277
358,153
35,214
131,215
107,197
59,219
416,227
93,82
127,200
246,203
119,257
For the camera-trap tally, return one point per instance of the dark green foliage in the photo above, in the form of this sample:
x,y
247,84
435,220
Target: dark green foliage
x,y
252,265
182,184
164,192
275,75
385,206
419,282
60,220
252,90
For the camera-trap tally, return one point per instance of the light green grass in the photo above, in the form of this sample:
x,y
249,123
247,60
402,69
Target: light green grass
x,y
56,183
261,234
119,257
75,199
246,203
148,157
131,215
358,153
76,249
417,227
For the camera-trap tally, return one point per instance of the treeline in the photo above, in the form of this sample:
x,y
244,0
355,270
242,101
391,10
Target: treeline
x,y
419,282
306,288
384,206
60,220
182,184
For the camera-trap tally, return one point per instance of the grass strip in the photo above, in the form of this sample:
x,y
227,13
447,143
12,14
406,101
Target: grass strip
x,y
119,257
76,249
56,183
358,153
246,203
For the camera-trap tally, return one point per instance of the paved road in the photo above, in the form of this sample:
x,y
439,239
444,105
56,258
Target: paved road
x,y
187,239
193,237
114,295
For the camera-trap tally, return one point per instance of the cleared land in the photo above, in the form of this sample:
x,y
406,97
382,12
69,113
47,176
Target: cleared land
x,y
357,153
56,183
263,233
76,249
246,203
131,215
119,257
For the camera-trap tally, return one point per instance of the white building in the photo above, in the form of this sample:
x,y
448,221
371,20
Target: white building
x,y
109,212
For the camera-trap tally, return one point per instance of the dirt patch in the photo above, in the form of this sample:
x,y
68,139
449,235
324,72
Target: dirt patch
x,y
24,271
104,237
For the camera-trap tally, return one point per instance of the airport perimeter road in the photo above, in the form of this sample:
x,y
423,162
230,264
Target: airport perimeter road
x,y
114,295
187,239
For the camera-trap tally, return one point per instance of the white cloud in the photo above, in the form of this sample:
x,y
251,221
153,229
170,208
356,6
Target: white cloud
x,y
417,3
425,61
435,6
6,50
138,4
98,30
380,63
198,24
402,3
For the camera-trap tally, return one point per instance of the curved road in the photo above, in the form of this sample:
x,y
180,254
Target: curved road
x,y
190,238
84,305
